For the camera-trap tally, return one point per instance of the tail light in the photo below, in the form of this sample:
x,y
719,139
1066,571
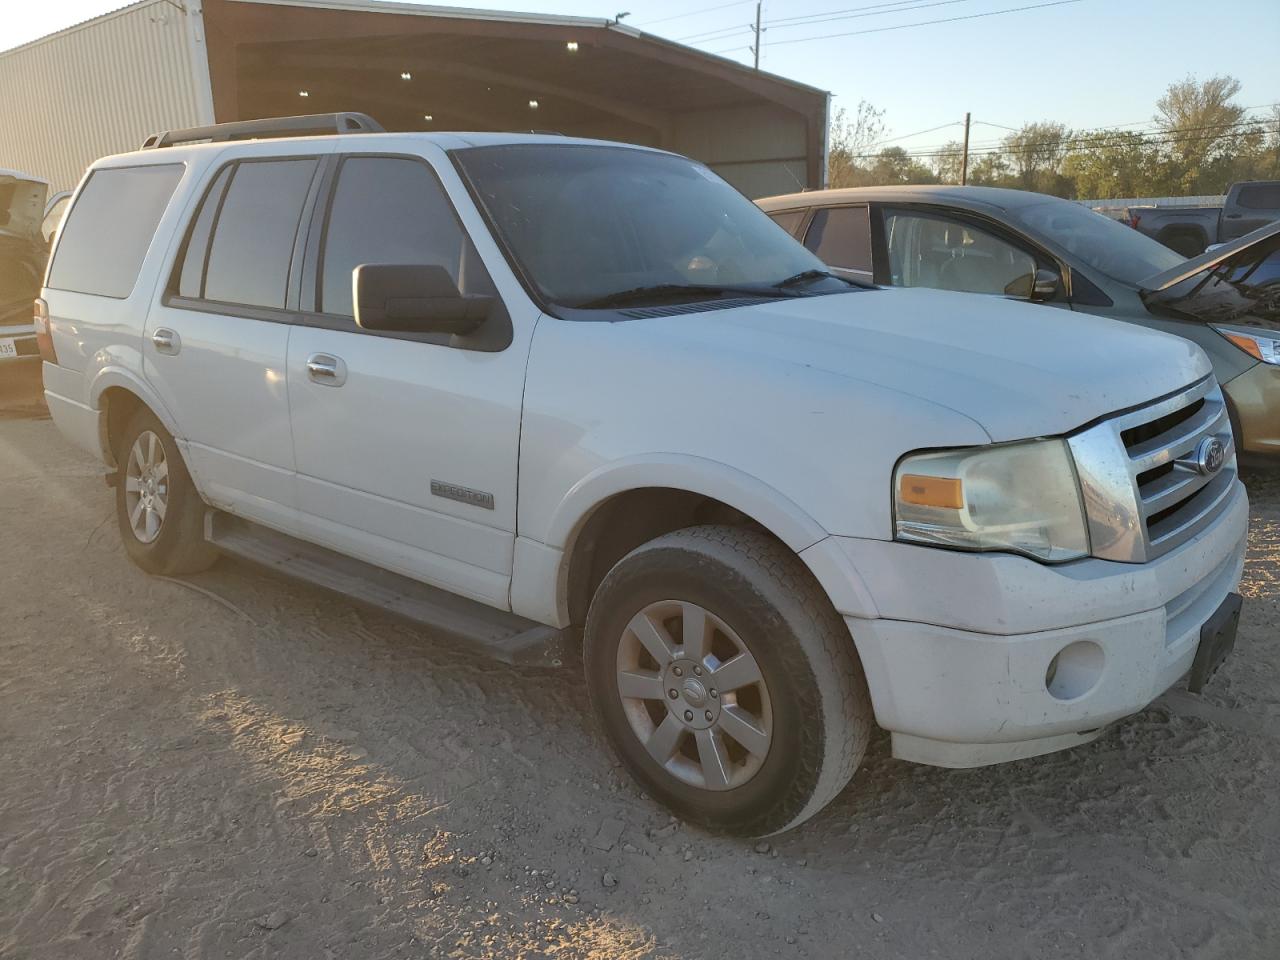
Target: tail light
x,y
44,334
1134,220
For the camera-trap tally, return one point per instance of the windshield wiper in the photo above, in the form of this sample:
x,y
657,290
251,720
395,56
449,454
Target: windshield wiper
x,y
657,293
804,276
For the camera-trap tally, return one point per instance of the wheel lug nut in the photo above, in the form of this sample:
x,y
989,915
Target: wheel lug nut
x,y
688,714
714,693
672,694
697,671
678,672
708,716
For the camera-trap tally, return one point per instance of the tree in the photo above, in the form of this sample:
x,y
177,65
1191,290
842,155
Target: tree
x,y
850,140
1036,153
1203,128
1106,164
948,163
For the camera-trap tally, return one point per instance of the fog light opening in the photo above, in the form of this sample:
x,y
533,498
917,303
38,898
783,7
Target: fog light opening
x,y
1074,670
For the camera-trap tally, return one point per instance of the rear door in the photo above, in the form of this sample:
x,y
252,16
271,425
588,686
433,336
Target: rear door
x,y
841,238
407,444
216,345
1250,206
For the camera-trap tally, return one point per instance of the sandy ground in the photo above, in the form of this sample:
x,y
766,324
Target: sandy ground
x,y
239,766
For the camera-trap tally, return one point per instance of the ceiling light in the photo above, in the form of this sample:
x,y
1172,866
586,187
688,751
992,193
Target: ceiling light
x,y
572,46
303,93
533,104
427,117
406,75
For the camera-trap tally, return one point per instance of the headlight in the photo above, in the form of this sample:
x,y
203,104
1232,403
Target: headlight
x,y
1021,497
1264,348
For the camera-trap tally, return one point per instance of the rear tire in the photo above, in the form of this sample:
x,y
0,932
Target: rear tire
x,y
717,606
159,511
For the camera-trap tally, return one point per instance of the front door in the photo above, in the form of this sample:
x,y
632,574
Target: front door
x,y
407,445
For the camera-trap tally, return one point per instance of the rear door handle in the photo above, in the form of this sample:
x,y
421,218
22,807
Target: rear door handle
x,y
327,370
166,341
1235,216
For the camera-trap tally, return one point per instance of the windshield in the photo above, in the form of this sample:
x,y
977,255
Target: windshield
x,y
1097,241
594,225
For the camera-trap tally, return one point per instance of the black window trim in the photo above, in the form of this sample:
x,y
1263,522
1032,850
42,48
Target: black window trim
x,y
245,311
1002,231
312,275
75,199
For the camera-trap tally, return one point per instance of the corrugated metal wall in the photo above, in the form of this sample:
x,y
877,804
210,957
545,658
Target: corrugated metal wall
x,y
761,149
98,88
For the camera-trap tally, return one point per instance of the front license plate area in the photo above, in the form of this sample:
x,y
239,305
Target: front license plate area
x,y
1217,638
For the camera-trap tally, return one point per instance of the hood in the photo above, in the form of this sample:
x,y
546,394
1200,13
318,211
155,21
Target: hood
x,y
1237,284
1208,260
1019,370
22,199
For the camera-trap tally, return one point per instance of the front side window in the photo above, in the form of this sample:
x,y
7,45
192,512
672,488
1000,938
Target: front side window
x,y
252,225
932,250
789,220
393,210
110,227
591,227
841,237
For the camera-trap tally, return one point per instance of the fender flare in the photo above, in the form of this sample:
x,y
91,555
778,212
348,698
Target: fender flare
x,y
116,376
676,471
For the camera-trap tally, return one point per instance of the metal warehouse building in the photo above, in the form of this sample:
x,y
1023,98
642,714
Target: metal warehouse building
x,y
103,86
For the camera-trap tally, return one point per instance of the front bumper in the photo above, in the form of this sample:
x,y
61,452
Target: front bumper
x,y
1255,395
958,654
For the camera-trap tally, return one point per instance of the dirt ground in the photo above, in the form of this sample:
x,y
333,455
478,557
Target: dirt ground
x,y
238,766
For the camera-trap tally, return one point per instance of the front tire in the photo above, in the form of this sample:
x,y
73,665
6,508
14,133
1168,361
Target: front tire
x,y
159,511
725,680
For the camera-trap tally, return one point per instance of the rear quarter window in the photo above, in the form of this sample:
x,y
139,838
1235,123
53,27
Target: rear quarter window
x,y
108,230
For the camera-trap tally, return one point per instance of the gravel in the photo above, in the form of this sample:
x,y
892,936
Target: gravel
x,y
177,781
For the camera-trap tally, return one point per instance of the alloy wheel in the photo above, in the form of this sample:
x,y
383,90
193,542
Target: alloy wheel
x,y
694,695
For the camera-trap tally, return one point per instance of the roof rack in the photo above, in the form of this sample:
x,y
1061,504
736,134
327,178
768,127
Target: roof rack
x,y
309,125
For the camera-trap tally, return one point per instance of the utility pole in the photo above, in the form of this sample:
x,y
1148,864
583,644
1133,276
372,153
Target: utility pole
x,y
756,48
964,160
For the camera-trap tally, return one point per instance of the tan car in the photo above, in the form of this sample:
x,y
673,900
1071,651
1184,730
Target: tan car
x,y
1029,246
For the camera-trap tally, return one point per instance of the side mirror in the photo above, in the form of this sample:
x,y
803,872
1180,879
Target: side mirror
x,y
1040,286
414,298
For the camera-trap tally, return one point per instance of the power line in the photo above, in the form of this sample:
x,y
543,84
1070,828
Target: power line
x,y
908,136
1064,144
1099,137
852,13
926,23
855,13
694,13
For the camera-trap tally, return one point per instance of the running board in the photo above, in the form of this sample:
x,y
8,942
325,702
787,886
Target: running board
x,y
495,633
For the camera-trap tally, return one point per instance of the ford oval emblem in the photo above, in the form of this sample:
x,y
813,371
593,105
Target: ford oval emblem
x,y
1210,455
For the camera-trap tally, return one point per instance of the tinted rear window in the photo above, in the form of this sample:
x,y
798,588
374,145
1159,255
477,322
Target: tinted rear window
x,y
253,237
1259,196
841,237
108,231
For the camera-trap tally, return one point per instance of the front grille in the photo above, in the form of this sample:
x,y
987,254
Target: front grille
x,y
1143,491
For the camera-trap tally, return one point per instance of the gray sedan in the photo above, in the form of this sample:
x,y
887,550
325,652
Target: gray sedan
x,y
1012,243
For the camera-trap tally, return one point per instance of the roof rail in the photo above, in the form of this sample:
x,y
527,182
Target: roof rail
x,y
316,124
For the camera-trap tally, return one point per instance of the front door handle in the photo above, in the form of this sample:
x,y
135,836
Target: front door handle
x,y
166,341
327,370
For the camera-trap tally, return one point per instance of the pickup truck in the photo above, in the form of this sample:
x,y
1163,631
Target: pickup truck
x,y
545,394
1191,230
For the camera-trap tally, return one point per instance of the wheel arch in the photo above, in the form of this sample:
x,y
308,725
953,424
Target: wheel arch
x,y
116,393
615,509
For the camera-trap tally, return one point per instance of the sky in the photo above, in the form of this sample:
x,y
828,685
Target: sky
x,y
1085,63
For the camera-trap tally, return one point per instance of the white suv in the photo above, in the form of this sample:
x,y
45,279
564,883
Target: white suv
x,y
531,390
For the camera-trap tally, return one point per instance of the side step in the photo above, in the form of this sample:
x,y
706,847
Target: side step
x,y
495,633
